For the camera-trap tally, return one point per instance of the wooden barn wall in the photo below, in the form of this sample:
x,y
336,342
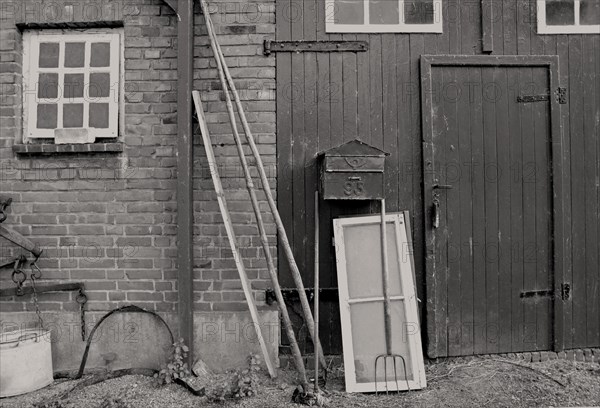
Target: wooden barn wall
x,y
325,99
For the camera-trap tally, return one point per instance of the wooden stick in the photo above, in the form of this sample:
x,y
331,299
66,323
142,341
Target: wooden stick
x,y
212,164
271,201
316,298
386,286
297,355
21,241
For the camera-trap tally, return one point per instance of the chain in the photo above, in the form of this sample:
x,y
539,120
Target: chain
x,y
18,276
82,300
34,276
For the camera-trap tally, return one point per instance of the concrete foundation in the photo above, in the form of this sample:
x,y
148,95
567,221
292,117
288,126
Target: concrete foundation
x,y
224,340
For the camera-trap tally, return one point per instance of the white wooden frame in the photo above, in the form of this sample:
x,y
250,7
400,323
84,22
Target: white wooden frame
x,y
366,27
405,266
576,28
33,38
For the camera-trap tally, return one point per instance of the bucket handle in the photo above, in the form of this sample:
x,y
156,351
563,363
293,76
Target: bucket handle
x,y
27,336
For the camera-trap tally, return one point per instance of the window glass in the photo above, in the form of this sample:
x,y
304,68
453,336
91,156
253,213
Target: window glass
x,y
418,12
383,12
73,86
590,12
47,114
100,55
73,115
99,115
99,85
349,11
560,12
48,86
49,55
74,55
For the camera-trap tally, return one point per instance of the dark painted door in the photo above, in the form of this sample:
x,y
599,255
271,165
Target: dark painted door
x,y
490,224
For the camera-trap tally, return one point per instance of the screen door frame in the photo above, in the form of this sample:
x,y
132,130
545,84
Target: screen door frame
x,y
405,267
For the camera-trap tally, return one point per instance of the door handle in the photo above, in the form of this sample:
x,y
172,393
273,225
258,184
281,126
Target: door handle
x,y
436,213
442,187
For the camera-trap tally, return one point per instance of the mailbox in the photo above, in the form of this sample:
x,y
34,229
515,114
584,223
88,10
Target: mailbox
x,y
353,171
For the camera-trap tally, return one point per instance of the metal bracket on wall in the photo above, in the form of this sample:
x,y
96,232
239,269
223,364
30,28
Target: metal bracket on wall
x,y
314,46
291,295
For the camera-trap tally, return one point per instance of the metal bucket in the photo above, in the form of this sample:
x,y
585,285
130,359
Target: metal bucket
x,y
26,361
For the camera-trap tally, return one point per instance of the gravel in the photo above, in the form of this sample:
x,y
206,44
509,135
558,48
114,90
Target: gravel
x,y
476,383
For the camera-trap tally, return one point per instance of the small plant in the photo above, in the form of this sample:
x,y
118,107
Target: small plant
x,y
240,384
176,367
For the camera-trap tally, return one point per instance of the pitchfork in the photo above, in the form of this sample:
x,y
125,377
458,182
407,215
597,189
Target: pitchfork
x,y
387,315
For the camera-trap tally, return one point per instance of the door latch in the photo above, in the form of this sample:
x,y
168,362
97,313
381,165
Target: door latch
x,y
436,213
565,291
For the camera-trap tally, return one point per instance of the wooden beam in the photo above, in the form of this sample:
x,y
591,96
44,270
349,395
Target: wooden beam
x,y
487,26
185,156
174,4
20,240
212,165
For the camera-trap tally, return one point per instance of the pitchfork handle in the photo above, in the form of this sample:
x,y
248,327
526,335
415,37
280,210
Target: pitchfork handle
x,y
386,287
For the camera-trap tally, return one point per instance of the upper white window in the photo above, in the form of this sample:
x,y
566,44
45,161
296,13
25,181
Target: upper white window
x,y
568,16
383,16
72,84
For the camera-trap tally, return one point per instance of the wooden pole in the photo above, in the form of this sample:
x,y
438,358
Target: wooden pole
x,y
185,169
297,355
316,298
212,164
386,286
271,201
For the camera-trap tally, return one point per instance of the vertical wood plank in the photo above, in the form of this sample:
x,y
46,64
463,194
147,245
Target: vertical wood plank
x,y
284,135
479,244
487,24
578,191
562,46
491,174
527,177
591,135
505,290
543,210
516,211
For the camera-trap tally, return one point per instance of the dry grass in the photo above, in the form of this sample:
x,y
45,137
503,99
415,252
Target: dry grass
x,y
477,383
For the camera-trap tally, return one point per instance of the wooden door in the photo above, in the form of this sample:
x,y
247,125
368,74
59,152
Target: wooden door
x,y
489,188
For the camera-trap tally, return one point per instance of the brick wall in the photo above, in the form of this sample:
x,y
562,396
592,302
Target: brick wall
x,y
109,219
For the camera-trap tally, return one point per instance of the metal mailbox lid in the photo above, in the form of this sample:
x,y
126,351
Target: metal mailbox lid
x,y
362,164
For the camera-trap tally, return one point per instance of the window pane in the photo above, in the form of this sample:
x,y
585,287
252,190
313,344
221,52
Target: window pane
x,y
46,115
590,12
560,12
99,85
99,115
74,55
100,55
384,12
73,115
49,55
349,12
418,12
48,86
73,86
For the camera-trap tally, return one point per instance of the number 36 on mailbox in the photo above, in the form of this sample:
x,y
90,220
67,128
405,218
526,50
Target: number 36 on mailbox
x,y
352,171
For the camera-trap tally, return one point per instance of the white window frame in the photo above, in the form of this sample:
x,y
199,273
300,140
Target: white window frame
x,y
332,27
409,297
31,41
576,28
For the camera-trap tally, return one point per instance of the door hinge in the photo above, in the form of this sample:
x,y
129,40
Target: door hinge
x,y
561,95
271,46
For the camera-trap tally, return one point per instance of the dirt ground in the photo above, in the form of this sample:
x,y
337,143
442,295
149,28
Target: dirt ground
x,y
490,382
